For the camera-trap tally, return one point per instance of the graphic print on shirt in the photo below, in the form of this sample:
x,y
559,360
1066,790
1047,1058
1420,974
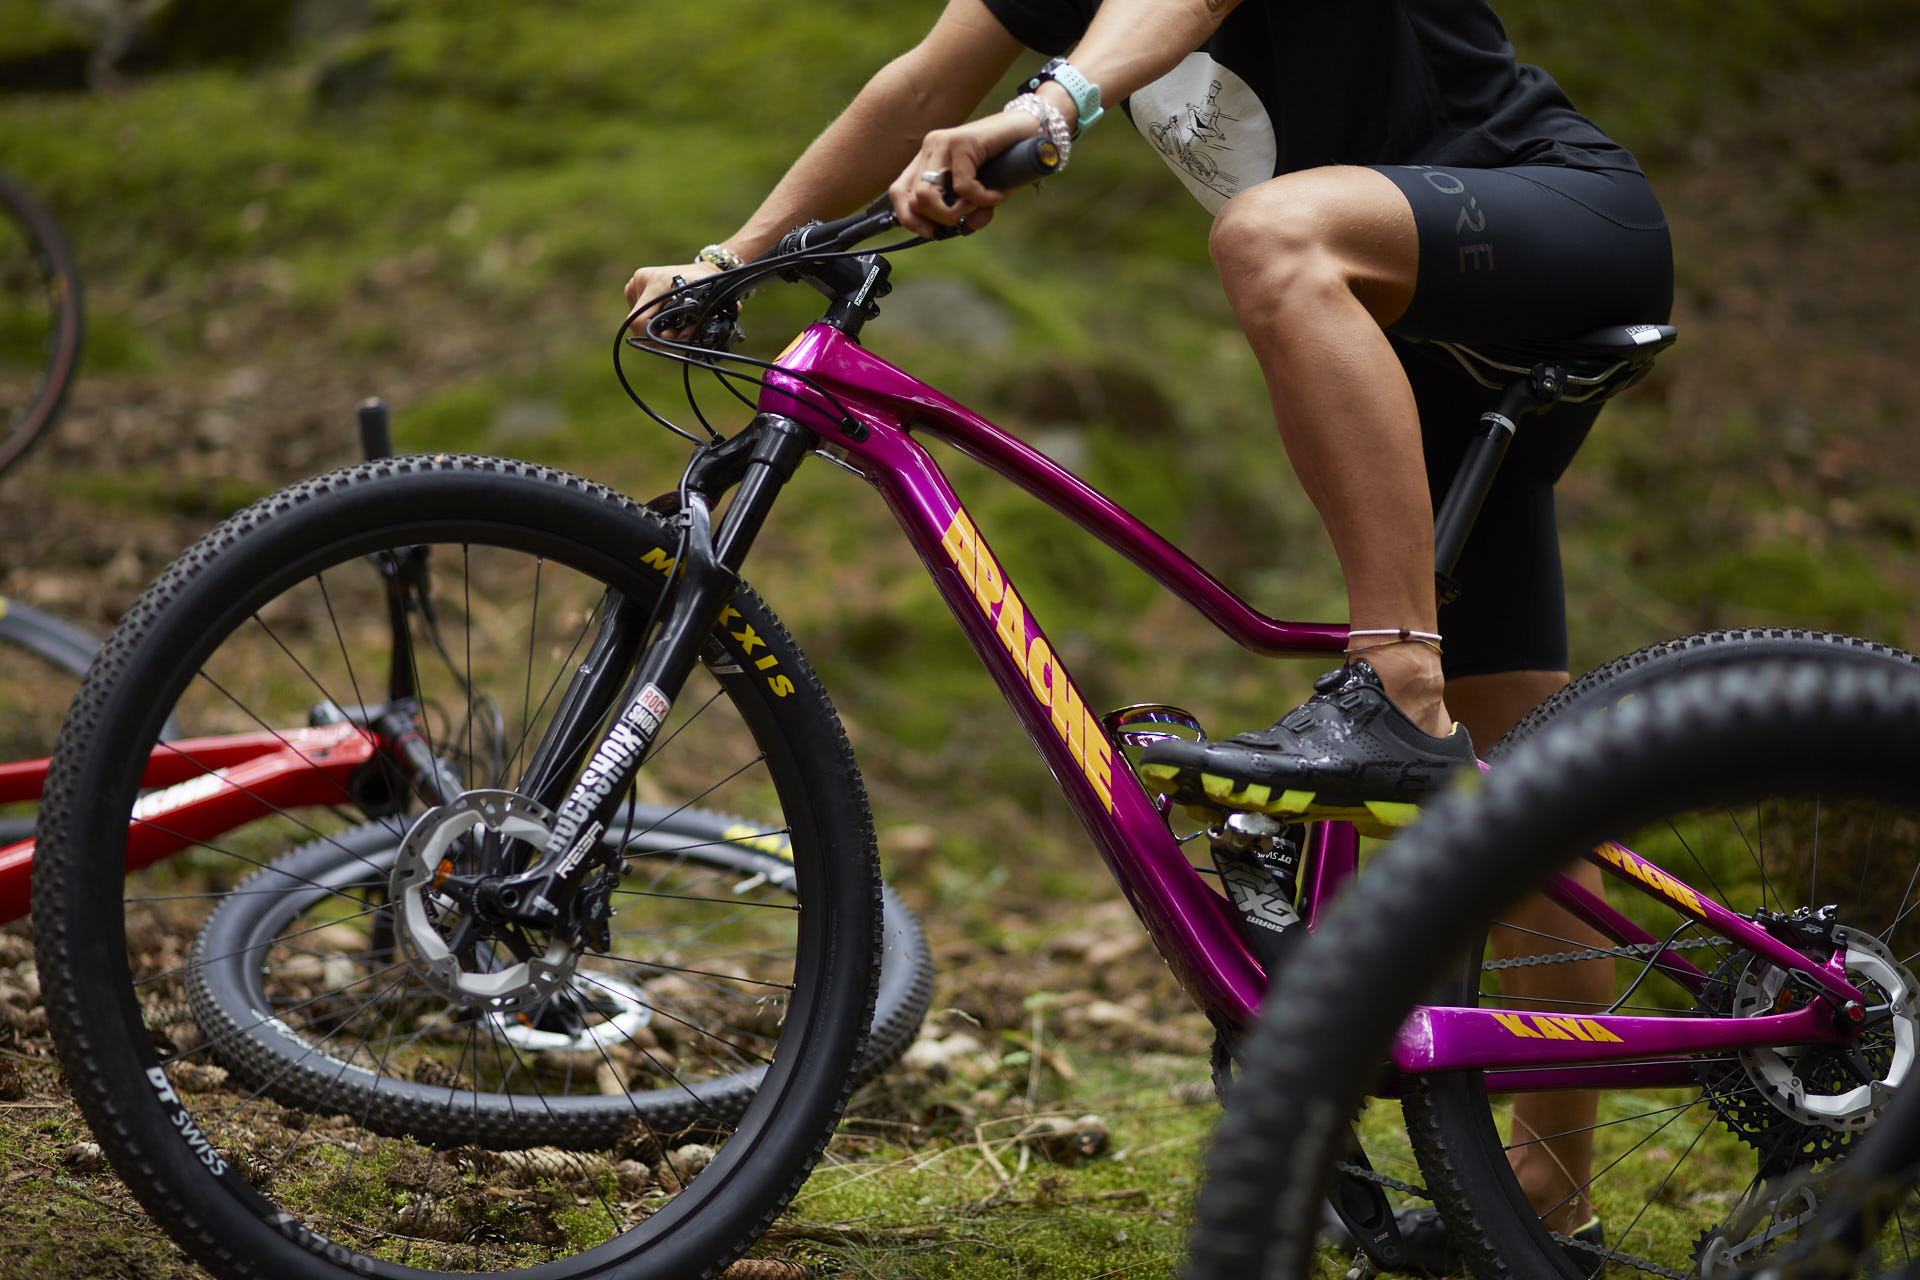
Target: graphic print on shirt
x,y
1209,126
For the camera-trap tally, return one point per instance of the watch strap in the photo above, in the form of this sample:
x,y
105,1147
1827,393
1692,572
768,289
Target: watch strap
x,y
1084,92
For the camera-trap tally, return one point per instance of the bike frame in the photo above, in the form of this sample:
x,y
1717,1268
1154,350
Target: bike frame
x,y
1195,927
199,788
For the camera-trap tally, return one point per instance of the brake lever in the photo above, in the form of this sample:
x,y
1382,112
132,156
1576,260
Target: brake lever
x,y
718,331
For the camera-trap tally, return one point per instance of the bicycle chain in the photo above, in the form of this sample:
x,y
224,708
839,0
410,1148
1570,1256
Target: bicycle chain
x,y
1634,951
1611,1255
1391,1183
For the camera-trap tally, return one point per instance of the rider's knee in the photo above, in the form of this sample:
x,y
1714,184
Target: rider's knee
x,y
1270,244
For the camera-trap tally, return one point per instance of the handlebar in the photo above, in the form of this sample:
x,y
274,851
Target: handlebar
x,y
1026,161
817,253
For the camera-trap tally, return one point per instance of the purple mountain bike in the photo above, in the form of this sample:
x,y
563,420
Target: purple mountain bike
x,y
611,656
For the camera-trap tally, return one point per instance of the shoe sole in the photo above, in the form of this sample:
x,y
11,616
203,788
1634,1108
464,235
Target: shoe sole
x,y
1380,819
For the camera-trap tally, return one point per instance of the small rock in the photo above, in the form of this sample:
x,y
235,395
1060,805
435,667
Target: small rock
x,y
938,1056
1105,1013
689,1160
84,1157
1192,1093
1066,1141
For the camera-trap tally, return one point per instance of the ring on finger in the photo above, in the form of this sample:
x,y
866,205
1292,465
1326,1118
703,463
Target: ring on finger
x,y
936,177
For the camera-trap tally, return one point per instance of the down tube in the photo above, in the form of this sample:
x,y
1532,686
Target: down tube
x,y
1190,923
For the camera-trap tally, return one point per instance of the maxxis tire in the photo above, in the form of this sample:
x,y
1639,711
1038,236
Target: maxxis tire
x,y
150,1132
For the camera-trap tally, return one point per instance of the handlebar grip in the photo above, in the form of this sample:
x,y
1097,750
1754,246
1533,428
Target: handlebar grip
x,y
376,439
1028,160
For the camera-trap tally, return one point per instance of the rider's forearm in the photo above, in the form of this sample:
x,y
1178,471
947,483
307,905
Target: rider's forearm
x,y
1132,43
935,85
856,156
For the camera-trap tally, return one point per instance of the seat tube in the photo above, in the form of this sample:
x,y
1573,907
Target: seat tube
x,y
1461,507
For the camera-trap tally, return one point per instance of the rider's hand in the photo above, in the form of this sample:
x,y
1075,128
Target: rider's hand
x,y
920,203
648,283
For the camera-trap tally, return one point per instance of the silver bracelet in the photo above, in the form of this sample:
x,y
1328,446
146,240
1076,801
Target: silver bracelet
x,y
1052,124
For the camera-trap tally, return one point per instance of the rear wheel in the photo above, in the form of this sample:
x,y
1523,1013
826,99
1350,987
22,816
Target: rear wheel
x,y
1731,1150
385,1134
280,961
1703,1185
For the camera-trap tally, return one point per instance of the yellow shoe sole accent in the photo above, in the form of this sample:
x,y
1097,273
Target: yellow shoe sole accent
x,y
1394,813
1377,818
1254,796
1159,775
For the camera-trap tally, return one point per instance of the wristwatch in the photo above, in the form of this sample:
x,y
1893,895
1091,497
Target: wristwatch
x,y
1084,92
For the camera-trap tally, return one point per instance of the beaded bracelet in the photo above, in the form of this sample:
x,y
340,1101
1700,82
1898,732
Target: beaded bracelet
x,y
720,256
1052,123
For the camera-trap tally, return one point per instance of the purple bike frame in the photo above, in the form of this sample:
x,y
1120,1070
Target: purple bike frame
x,y
1193,926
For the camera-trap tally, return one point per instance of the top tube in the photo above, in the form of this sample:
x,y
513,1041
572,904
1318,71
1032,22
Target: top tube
x,y
889,404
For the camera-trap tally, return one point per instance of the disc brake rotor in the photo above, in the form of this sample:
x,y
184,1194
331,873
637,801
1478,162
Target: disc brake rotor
x,y
619,1010
426,918
1821,1085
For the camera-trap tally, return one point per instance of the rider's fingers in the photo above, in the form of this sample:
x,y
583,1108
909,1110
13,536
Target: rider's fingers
x,y
975,194
922,194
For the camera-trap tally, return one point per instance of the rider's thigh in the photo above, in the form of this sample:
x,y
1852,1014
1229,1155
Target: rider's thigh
x,y
1340,225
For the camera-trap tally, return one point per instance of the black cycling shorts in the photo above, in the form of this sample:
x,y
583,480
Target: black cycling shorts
x,y
1508,254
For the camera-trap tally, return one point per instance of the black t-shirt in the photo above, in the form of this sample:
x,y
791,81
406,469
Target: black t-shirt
x,y
1285,85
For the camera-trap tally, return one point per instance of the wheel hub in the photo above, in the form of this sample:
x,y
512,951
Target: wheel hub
x,y
1799,1103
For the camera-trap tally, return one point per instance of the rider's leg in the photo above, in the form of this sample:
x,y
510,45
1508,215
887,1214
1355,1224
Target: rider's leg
x,y
1552,1133
1315,264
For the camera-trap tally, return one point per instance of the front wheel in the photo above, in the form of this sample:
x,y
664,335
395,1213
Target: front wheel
x,y
723,1014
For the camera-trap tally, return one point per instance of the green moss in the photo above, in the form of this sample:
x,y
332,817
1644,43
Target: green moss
x,y
948,1211
29,30
1782,581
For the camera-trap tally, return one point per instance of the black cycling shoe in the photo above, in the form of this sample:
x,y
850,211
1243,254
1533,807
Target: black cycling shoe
x,y
1346,753
1430,1251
